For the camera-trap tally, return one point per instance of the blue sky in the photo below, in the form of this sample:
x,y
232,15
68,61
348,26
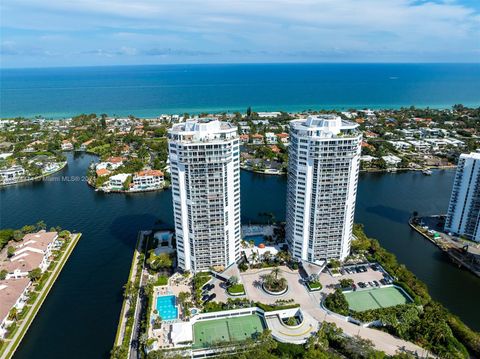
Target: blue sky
x,y
39,33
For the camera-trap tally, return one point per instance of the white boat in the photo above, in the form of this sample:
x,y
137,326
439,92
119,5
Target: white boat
x,y
427,172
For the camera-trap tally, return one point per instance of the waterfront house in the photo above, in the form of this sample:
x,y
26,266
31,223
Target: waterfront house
x,y
116,182
12,174
421,146
66,145
84,146
102,172
391,160
367,158
13,294
111,163
148,179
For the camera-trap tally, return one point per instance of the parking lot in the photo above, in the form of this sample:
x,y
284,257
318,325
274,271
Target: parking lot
x,y
363,276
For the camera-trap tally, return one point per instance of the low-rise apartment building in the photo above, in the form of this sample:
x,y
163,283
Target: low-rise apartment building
x,y
13,294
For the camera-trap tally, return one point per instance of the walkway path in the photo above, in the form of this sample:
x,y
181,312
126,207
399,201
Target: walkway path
x,y
33,309
126,303
310,303
381,340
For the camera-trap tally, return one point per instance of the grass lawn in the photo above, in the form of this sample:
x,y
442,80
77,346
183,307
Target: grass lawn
x,y
236,289
375,298
312,286
210,332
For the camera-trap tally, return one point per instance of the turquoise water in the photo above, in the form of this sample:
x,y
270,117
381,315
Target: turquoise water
x,y
257,239
166,307
151,90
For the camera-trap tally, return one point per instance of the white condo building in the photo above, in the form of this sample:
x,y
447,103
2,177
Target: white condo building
x,y
463,216
323,166
205,169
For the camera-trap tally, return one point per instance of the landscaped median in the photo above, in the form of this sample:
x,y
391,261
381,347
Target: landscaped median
x,y
33,306
127,314
236,289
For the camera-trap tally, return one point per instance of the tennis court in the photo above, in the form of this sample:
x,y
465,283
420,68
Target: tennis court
x,y
208,332
375,298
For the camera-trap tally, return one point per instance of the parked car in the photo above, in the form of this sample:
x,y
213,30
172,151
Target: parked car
x,y
212,296
376,283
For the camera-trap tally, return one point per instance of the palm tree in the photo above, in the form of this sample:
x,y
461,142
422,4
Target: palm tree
x,y
13,314
275,272
232,280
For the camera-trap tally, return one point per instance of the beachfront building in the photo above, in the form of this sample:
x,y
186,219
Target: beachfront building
x,y
463,216
205,172
323,166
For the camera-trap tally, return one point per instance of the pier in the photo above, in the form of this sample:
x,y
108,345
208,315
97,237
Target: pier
x,y
463,253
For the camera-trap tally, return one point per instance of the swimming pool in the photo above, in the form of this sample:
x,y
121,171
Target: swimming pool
x,y
257,239
166,307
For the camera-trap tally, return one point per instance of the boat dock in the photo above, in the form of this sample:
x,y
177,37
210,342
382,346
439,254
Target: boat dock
x,y
463,253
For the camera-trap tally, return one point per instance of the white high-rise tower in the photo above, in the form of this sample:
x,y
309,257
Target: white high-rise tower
x,y
205,168
323,166
463,216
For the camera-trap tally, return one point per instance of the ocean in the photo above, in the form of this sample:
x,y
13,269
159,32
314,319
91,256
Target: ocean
x,y
148,91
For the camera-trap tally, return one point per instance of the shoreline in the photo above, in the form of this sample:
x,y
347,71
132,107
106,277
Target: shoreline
x,y
460,262
123,191
35,179
10,347
393,171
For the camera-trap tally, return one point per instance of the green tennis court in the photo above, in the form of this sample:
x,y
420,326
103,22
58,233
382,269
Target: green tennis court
x,y
375,298
208,332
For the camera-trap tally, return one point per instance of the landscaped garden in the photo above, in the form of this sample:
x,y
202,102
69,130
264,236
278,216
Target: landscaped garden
x,y
274,282
314,286
236,289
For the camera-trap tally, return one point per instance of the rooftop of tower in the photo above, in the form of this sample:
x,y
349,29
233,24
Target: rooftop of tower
x,y
324,126
201,129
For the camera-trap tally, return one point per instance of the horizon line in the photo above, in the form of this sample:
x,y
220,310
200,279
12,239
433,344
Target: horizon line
x,y
241,63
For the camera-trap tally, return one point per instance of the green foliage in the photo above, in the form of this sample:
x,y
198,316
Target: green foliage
x,y
162,261
3,274
236,289
273,307
432,327
336,302
35,274
346,282
6,235
314,285
162,280
10,251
